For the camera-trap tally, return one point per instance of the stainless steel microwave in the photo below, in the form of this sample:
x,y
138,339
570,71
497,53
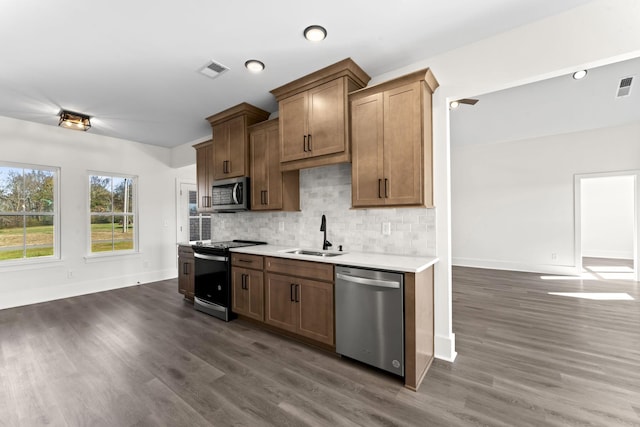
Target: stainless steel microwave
x,y
230,195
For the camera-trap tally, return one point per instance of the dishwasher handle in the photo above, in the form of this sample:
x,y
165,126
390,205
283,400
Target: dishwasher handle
x,y
369,282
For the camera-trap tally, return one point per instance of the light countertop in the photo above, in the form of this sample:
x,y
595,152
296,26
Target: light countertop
x,y
402,263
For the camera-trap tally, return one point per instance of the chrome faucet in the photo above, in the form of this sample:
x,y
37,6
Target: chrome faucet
x,y
323,227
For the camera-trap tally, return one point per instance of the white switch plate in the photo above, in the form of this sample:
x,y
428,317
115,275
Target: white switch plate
x,y
281,226
386,228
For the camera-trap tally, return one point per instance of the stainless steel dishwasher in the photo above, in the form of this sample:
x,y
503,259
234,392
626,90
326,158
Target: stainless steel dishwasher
x,y
370,317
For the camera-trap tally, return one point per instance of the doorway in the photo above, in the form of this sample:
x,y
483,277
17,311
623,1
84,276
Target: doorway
x,y
192,226
607,225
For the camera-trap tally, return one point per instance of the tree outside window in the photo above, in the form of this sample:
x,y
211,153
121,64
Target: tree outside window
x,y
28,211
113,213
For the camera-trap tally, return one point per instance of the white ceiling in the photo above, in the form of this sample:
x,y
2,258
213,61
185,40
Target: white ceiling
x,y
555,106
133,65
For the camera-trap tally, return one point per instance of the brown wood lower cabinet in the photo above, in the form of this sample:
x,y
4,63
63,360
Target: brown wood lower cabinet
x,y
280,302
301,306
299,298
186,265
247,285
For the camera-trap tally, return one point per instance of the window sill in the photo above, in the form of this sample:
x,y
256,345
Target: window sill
x,y
110,256
29,264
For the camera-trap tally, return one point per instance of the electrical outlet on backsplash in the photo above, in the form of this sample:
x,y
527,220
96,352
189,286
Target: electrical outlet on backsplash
x,y
327,191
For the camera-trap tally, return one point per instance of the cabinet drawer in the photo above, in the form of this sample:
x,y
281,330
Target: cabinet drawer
x,y
185,251
247,261
310,269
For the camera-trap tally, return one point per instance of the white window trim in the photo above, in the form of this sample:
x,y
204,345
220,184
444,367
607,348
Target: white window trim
x,y
15,264
90,256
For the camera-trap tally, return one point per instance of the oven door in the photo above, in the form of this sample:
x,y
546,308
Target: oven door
x,y
212,285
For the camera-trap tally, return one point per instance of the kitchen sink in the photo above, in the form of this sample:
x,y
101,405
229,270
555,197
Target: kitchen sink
x,y
314,253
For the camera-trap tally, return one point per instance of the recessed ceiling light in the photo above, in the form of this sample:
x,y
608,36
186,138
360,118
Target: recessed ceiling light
x,y
580,74
454,104
254,65
315,33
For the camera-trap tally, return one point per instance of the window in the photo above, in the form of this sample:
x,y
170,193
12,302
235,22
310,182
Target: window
x,y
199,224
28,212
113,213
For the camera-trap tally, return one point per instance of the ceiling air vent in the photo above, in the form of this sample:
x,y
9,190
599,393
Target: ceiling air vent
x,y
624,88
214,69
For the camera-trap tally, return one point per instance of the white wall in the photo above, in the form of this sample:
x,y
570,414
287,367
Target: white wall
x,y
76,153
513,202
607,217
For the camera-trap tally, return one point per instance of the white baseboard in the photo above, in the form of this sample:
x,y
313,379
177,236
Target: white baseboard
x,y
608,254
445,347
73,289
569,270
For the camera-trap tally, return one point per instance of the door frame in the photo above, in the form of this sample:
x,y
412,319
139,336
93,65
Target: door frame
x,y
578,215
179,207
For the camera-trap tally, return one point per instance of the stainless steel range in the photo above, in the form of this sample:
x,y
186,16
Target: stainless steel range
x,y
213,276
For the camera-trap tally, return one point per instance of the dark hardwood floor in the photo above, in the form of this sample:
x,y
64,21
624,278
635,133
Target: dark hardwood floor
x,y
142,356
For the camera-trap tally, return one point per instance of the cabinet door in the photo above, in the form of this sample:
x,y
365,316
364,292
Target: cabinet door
x,y
259,168
239,298
280,309
293,127
314,304
403,145
254,286
248,293
220,150
273,196
204,176
186,267
237,147
367,151
326,118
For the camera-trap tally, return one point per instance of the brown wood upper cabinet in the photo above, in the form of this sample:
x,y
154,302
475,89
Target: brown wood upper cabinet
x,y
204,174
314,116
271,189
231,139
392,142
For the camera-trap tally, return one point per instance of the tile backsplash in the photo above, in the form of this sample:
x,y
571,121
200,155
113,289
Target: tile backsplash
x,y
327,190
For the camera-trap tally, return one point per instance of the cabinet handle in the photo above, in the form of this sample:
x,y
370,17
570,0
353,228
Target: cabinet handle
x,y
309,142
379,191
185,268
244,280
266,197
386,188
291,292
297,293
304,143
244,260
